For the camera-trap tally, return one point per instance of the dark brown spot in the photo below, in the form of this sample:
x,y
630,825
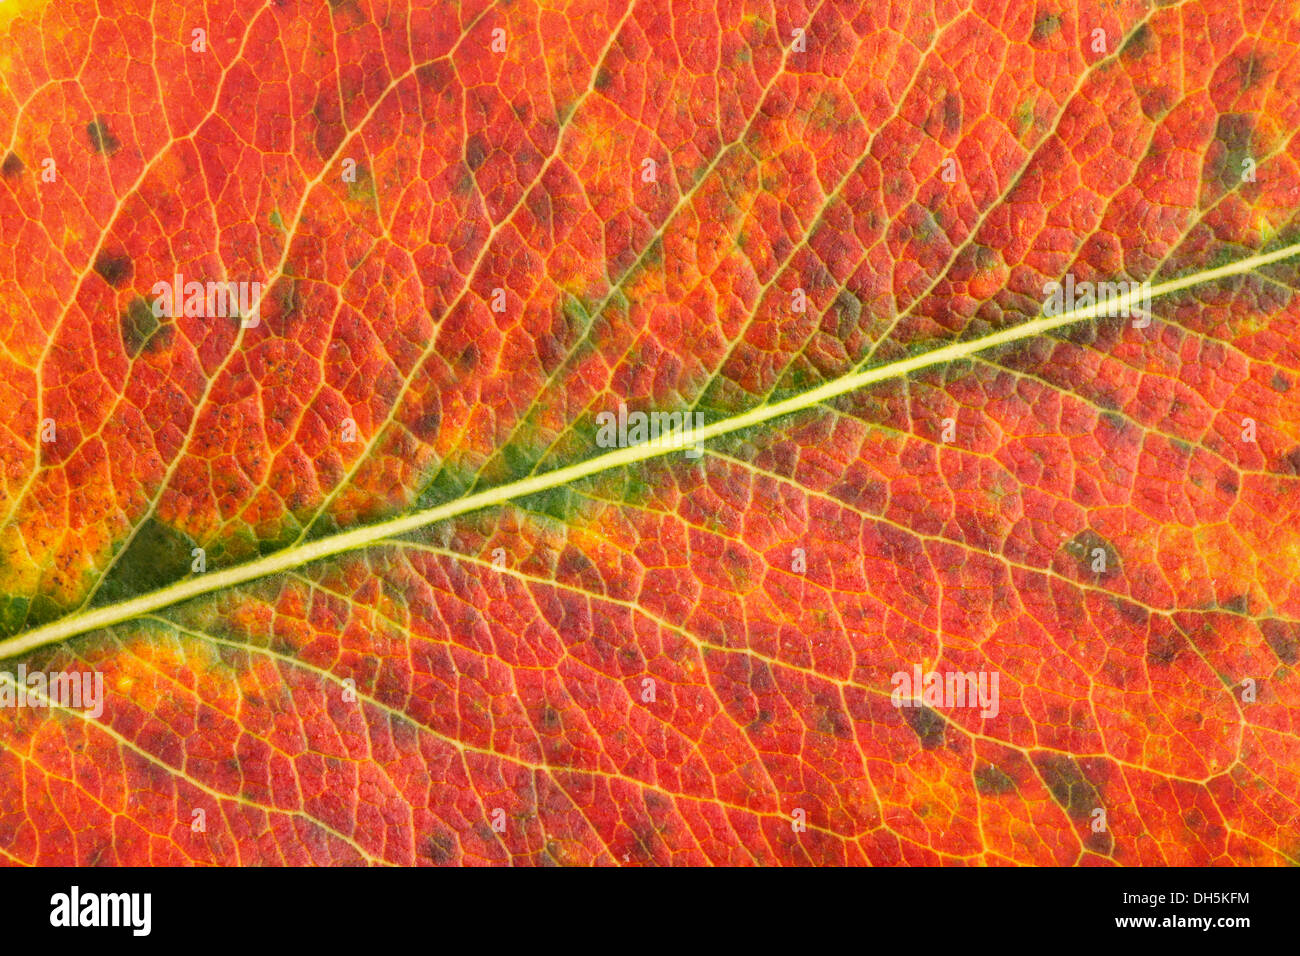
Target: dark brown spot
x,y
1045,26
12,166
1237,605
927,724
991,781
288,300
114,269
426,426
539,204
1106,400
1132,612
463,184
1114,420
1095,556
101,138
1068,785
1289,464
848,312
1163,649
1226,160
329,123
1138,44
1284,638
476,151
550,718
1251,69
1100,841
553,853
952,114
835,723
1081,333
440,848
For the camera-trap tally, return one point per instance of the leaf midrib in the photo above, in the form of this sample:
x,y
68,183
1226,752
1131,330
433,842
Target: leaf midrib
x,y
358,538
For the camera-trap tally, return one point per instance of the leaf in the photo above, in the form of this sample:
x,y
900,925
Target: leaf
x,y
472,634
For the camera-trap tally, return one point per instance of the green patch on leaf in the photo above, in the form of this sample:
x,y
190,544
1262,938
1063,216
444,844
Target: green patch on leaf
x,y
138,325
155,557
1067,784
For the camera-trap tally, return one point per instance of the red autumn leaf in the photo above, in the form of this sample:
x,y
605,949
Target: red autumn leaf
x,y
364,579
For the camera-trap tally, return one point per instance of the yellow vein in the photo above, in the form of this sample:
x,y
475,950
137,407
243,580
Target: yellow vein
x,y
362,537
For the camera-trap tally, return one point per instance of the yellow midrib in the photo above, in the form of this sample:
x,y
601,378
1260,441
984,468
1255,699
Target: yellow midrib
x,y
357,538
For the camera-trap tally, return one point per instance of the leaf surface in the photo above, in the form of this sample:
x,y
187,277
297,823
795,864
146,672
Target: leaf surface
x,y
432,643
